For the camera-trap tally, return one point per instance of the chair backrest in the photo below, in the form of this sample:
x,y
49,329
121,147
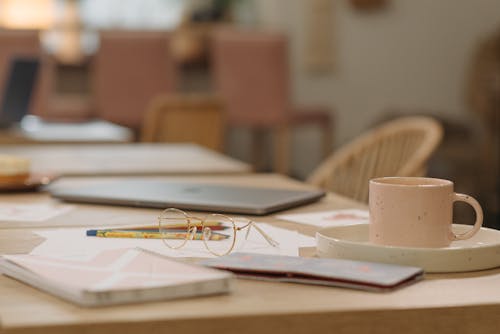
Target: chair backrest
x,y
16,43
251,73
197,119
401,147
24,43
131,68
16,97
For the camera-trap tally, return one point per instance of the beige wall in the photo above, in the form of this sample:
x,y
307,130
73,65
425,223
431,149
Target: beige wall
x,y
412,54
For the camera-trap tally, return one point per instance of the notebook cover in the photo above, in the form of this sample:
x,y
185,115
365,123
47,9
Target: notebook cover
x,y
331,272
116,276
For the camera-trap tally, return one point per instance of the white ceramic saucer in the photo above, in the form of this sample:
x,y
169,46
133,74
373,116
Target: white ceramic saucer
x,y
482,251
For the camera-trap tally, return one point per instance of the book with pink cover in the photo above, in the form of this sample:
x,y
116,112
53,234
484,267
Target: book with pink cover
x,y
116,276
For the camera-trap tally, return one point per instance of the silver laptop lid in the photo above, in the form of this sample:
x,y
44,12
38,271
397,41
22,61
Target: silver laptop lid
x,y
189,196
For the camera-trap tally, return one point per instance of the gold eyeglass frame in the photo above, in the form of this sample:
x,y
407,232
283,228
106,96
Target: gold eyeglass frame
x,y
191,230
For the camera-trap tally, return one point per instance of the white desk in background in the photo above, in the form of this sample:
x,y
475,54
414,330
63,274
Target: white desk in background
x,y
33,130
126,159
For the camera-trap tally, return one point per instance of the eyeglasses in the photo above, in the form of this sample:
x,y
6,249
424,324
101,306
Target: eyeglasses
x,y
217,231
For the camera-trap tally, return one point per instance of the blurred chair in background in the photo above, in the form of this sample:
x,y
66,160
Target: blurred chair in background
x,y
401,147
16,43
251,73
25,43
19,85
130,68
197,119
64,103
483,84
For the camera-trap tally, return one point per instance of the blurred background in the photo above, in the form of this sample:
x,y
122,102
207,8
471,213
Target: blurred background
x,y
353,64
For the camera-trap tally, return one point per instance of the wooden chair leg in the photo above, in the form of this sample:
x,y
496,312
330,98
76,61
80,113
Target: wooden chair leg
x,y
281,158
258,142
327,139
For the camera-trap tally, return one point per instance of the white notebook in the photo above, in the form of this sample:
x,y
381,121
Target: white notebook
x,y
116,276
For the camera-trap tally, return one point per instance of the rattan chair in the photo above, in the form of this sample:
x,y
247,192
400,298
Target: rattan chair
x,y
197,119
401,147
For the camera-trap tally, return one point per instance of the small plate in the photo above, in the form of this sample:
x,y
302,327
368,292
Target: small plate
x,y
32,183
482,251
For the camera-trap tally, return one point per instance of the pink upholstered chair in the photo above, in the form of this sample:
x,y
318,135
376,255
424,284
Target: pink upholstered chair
x,y
252,74
130,69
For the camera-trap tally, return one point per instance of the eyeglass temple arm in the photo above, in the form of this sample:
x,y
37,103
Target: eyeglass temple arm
x,y
270,240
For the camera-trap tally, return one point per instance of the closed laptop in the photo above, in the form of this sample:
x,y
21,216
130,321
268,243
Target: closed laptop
x,y
189,196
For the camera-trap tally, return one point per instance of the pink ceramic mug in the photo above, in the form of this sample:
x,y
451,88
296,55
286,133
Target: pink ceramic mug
x,y
416,212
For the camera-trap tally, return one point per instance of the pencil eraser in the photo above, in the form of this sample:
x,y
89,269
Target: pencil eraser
x,y
91,233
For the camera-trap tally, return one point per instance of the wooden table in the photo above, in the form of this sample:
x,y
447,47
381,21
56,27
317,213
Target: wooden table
x,y
451,303
126,159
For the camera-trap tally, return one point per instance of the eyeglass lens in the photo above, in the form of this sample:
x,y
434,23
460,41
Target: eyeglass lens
x,y
219,233
176,228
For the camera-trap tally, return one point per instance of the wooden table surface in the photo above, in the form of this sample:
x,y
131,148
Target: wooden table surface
x,y
442,303
126,159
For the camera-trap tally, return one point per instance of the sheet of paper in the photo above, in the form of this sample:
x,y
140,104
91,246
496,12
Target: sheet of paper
x,y
329,218
73,243
33,213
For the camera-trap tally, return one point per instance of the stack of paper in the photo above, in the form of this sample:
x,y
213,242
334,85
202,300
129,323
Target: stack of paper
x,y
329,218
75,244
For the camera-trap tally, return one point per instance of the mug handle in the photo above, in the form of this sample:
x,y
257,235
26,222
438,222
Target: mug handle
x,y
479,215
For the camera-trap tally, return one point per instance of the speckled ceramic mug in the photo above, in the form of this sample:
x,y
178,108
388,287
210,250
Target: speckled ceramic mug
x,y
416,212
